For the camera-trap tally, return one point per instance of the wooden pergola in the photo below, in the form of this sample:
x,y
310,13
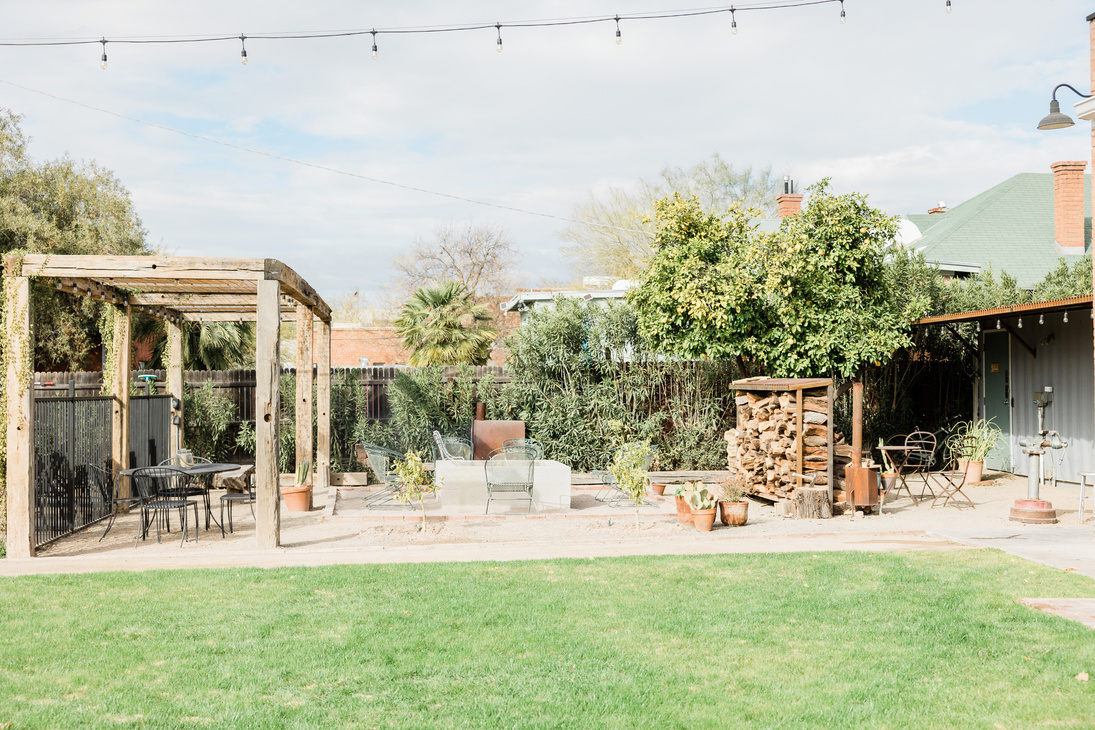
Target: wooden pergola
x,y
174,290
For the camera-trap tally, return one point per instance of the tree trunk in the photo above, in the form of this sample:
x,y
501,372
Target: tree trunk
x,y
813,503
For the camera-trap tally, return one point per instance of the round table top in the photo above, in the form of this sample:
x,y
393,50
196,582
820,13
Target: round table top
x,y
195,470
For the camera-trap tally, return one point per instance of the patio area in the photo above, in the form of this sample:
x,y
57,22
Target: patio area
x,y
345,533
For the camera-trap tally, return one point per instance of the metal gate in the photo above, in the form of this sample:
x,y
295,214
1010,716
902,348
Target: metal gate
x,y
149,429
69,434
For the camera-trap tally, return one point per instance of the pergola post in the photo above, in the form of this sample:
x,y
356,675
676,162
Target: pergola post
x,y
20,425
175,380
323,407
304,388
119,387
267,415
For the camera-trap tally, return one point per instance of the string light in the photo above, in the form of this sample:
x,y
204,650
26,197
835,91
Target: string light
x,y
1066,317
103,64
978,325
499,27
1041,319
243,49
373,31
843,19
1020,323
733,21
619,38
948,6
997,324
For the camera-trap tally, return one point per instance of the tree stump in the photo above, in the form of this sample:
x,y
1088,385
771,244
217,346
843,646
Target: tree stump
x,y
813,503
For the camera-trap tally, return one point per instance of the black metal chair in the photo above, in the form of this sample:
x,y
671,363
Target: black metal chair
x,y
197,491
162,489
107,488
232,498
509,473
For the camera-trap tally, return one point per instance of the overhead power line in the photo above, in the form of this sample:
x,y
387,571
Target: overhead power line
x,y
313,165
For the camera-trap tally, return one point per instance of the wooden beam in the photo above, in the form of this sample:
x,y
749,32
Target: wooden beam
x,y
119,388
20,419
799,436
304,388
323,408
175,381
267,416
122,268
294,285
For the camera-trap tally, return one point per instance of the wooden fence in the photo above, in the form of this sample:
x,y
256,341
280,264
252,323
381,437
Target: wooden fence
x,y
239,385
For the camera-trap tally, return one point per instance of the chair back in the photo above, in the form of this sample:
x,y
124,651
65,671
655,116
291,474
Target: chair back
x,y
177,461
161,482
382,462
450,448
921,449
509,468
102,482
964,445
532,446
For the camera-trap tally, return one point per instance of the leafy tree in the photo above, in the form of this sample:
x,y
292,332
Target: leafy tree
x,y
443,325
62,207
1065,281
811,299
616,231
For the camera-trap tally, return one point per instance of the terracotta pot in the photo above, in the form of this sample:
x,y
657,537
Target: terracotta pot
x,y
297,499
888,481
684,512
658,489
734,514
704,519
974,470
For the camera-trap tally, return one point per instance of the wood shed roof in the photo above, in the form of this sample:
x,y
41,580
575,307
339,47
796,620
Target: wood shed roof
x,y
192,289
780,383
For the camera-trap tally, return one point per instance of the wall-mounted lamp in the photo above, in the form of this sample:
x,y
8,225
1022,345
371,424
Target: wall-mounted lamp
x,y
1055,119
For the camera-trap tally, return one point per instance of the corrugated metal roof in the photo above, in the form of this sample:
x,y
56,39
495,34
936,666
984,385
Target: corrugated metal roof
x,y
1055,305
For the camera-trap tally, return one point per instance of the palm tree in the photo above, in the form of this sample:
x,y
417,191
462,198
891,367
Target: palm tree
x,y
443,325
206,345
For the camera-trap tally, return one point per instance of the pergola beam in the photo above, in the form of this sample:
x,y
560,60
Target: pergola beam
x,y
267,417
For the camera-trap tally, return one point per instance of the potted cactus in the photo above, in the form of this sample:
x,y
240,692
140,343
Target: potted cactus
x,y
298,498
733,507
704,506
684,512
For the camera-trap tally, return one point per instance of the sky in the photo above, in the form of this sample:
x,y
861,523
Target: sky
x,y
904,102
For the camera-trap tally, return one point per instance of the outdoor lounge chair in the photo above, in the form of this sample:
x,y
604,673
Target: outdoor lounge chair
x,y
509,476
382,462
450,448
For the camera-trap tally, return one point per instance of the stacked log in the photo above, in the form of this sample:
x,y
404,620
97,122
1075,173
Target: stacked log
x,y
764,449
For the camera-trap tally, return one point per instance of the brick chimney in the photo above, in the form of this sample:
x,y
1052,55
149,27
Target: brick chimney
x,y
788,203
1068,205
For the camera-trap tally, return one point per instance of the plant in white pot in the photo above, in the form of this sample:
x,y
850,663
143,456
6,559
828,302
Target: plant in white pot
x,y
971,442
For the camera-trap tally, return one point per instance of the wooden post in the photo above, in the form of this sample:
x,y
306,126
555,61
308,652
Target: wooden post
x,y
267,415
119,388
20,415
323,407
800,435
830,396
304,389
175,380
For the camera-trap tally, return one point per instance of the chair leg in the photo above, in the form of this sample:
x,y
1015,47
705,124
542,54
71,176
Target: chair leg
x,y
222,516
110,522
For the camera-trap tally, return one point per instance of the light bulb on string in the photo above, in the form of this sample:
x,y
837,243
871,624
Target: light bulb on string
x,y
243,49
1066,317
843,19
948,6
373,31
997,324
733,21
978,325
1041,319
619,38
499,27
1020,323
102,65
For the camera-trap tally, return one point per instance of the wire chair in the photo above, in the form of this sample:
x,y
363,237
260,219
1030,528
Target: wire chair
x,y
509,476
535,446
450,448
382,462
197,491
919,457
107,487
162,489
953,478
232,498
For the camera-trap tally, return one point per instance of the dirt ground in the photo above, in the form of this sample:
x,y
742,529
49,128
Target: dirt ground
x,y
353,527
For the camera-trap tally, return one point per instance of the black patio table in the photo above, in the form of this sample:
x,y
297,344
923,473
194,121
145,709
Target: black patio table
x,y
205,473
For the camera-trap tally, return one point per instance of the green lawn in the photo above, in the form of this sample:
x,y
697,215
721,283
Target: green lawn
x,y
839,640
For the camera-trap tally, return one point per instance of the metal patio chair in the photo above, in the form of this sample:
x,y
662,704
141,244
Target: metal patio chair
x,y
953,478
919,457
509,476
450,448
195,490
610,492
163,489
107,488
233,498
534,446
382,462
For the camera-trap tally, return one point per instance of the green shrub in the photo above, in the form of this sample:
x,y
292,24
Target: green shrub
x,y
207,418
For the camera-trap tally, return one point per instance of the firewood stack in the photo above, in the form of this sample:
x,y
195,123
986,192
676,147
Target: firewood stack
x,y
763,448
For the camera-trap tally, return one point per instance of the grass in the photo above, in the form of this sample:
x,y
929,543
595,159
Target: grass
x,y
932,639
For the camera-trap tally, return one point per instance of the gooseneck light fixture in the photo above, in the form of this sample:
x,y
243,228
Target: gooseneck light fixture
x,y
1055,119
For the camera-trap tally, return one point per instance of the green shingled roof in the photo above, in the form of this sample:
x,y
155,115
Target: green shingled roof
x,y
1008,227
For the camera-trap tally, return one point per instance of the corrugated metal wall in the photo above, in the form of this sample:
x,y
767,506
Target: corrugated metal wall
x,y
1064,361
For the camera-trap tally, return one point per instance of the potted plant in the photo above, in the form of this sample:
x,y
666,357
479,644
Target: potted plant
x,y
733,507
417,482
629,468
684,512
704,507
298,498
970,443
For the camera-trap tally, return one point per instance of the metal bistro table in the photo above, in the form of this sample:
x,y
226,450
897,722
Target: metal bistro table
x,y
204,473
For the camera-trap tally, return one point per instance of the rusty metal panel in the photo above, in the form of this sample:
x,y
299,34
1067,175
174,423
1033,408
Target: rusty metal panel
x,y
861,483
486,436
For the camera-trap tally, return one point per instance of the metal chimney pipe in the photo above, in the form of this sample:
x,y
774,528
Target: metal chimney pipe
x,y
857,424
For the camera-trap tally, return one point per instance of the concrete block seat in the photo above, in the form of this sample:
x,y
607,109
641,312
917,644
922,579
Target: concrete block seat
x,y
464,487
